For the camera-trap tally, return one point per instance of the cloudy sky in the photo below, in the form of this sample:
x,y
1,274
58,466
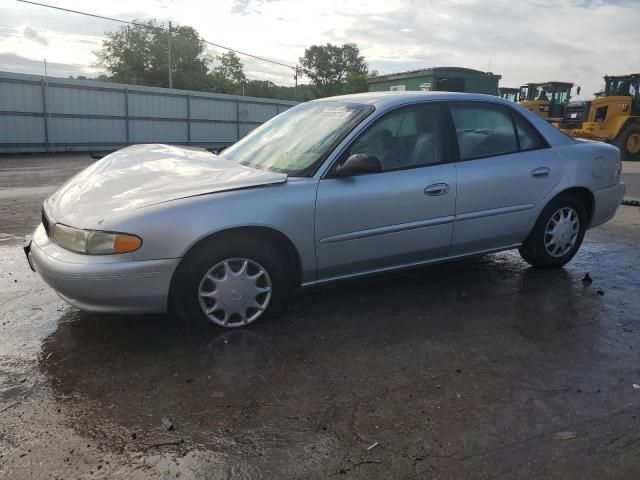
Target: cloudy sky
x,y
568,40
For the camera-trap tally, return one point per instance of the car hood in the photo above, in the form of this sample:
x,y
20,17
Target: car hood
x,y
143,175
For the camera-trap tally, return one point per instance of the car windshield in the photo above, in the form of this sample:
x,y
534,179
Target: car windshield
x,y
296,141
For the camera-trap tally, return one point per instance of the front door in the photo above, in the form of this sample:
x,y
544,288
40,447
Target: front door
x,y
399,216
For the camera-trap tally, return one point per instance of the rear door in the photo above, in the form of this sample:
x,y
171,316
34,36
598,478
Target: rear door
x,y
505,171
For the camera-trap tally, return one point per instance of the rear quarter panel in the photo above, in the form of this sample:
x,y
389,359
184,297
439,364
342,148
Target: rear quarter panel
x,y
593,165
596,167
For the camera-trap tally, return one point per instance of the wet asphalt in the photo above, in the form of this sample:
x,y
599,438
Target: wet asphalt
x,y
631,177
481,368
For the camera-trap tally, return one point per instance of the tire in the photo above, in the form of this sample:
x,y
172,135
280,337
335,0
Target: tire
x,y
233,284
628,141
544,248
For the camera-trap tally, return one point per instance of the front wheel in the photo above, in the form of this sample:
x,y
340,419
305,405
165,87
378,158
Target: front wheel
x,y
557,235
230,283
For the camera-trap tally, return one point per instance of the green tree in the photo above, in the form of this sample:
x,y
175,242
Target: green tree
x,y
334,69
268,89
355,82
231,68
138,54
228,76
261,88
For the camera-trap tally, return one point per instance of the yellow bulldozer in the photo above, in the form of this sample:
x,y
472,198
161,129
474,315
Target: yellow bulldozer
x,y
612,116
547,99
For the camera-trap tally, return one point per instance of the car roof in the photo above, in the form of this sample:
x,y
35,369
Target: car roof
x,y
384,101
392,99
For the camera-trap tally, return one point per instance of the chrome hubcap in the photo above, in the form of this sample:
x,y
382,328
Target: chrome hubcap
x,y
562,232
234,292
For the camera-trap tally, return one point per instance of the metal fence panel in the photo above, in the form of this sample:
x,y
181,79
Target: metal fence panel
x,y
258,112
225,132
66,130
20,97
84,102
246,128
141,105
59,114
210,109
157,131
21,130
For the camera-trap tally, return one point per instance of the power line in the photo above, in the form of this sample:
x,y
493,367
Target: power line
x,y
85,13
250,55
69,10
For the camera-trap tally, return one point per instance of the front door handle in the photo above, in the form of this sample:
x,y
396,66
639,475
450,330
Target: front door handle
x,y
436,189
541,172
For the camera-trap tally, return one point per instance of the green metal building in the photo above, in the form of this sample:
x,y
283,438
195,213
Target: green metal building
x,y
445,79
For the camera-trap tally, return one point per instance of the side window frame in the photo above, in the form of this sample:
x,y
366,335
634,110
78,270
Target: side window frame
x,y
445,138
453,138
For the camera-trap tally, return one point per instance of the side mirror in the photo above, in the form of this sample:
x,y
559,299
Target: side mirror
x,y
359,164
578,90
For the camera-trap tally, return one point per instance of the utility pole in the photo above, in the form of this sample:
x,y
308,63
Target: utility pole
x,y
170,77
45,67
295,89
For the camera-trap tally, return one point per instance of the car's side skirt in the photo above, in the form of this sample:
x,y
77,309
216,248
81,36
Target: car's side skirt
x,y
405,266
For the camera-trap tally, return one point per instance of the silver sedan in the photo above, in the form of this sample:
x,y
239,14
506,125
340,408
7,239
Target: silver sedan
x,y
331,189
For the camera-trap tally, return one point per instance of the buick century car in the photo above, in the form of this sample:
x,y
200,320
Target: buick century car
x,y
330,189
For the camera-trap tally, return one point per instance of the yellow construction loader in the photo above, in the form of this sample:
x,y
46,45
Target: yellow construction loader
x,y
547,99
509,93
612,116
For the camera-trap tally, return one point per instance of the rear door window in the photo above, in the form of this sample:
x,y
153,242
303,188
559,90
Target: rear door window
x,y
483,130
529,137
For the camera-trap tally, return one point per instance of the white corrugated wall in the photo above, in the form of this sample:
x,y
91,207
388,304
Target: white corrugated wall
x,y
39,114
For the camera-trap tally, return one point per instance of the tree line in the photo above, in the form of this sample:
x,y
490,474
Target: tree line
x,y
138,54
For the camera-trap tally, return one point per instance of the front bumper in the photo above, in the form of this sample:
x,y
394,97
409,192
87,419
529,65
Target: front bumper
x,y
104,284
607,202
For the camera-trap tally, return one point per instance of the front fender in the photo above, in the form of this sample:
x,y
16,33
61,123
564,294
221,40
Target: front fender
x,y
170,229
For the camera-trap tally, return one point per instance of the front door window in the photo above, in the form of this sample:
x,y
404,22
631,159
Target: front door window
x,y
405,138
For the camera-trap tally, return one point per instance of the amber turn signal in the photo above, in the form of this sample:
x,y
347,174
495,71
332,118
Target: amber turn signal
x,y
126,243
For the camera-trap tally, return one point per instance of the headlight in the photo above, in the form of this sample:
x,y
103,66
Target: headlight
x,y
94,241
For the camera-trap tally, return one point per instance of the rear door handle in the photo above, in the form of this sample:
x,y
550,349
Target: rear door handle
x,y
436,189
541,172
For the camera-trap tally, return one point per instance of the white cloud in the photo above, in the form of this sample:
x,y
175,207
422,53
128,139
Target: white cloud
x,y
32,34
572,40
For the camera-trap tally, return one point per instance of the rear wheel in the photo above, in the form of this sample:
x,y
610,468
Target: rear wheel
x,y
557,235
231,283
628,141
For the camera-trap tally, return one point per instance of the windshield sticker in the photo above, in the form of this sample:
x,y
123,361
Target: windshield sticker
x,y
334,114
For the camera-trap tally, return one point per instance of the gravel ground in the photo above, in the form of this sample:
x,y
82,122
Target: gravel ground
x,y
482,368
